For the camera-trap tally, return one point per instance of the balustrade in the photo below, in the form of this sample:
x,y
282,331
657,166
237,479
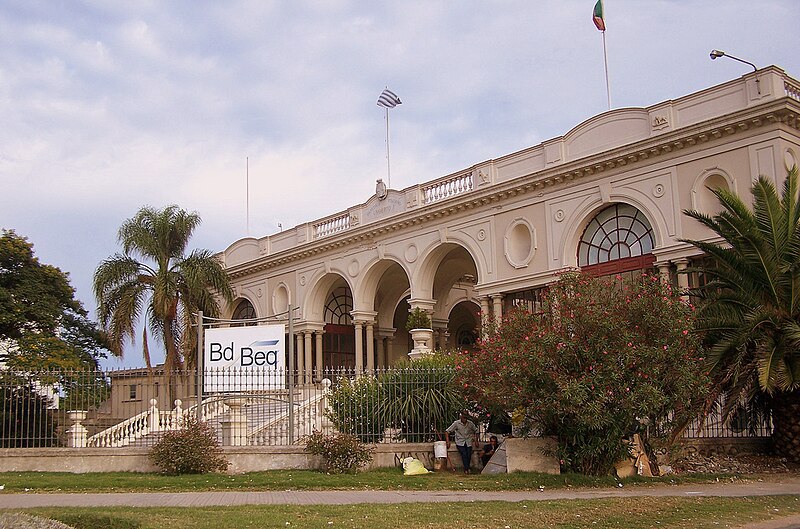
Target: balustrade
x,y
447,188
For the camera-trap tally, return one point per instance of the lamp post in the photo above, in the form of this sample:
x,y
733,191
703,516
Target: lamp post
x,y
715,54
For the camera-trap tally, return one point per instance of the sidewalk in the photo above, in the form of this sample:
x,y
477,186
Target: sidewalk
x,y
785,485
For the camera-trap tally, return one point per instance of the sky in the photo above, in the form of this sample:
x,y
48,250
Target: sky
x,y
107,106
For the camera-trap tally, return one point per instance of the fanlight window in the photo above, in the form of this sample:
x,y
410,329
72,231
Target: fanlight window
x,y
245,311
617,232
339,306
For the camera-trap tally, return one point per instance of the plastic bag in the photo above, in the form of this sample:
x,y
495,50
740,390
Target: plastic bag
x,y
413,467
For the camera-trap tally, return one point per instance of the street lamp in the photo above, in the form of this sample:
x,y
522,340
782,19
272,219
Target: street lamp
x,y
719,53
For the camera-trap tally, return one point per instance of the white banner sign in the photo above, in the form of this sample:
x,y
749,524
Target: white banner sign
x,y
243,358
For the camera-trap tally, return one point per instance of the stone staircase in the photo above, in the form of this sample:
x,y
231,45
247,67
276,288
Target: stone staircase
x,y
254,419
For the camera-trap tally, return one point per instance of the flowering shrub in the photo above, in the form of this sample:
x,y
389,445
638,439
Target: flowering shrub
x,y
602,357
191,450
342,453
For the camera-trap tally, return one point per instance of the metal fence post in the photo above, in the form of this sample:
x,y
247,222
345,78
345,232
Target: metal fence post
x,y
291,375
199,374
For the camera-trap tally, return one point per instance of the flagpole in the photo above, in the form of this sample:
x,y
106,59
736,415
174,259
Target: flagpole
x,y
605,62
247,193
388,165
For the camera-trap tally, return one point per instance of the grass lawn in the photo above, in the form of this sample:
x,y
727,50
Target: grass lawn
x,y
380,479
681,513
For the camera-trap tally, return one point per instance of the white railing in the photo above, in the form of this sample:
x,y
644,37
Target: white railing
x,y
331,225
308,416
792,91
152,420
447,188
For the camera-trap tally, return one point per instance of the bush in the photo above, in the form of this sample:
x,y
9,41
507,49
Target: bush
x,y
353,408
419,398
602,357
342,453
418,319
191,450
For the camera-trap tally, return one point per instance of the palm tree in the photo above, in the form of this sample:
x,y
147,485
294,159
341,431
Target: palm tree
x,y
153,275
750,308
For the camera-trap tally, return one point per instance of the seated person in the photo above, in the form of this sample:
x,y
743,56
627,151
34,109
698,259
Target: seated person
x,y
489,450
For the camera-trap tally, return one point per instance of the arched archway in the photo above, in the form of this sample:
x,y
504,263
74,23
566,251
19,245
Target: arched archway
x,y
463,325
338,341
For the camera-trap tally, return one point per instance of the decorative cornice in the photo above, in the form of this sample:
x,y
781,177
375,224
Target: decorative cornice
x,y
781,111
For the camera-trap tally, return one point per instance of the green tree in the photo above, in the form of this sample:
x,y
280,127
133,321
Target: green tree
x,y
154,276
42,325
601,356
750,308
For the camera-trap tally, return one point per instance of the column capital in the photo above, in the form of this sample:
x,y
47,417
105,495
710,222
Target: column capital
x,y
385,332
425,304
363,316
682,263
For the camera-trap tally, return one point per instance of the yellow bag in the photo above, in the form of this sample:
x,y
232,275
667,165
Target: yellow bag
x,y
413,467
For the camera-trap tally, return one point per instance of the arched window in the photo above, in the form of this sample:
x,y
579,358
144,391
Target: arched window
x,y
339,306
617,232
245,311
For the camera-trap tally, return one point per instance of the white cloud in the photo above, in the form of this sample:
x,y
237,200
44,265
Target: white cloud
x,y
109,106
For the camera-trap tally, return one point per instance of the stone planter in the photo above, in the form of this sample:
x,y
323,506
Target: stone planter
x,y
76,433
423,338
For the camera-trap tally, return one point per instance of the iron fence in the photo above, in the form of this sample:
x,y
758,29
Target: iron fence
x,y
136,407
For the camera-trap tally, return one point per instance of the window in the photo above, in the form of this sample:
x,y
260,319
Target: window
x,y
619,231
339,306
245,311
132,391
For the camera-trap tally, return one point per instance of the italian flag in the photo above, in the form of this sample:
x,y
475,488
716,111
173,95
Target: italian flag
x,y
597,16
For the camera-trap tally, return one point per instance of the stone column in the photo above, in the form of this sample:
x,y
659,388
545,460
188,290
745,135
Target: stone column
x,y
381,352
300,365
154,423
663,271
370,347
389,349
309,362
318,367
442,334
484,312
359,326
683,278
497,308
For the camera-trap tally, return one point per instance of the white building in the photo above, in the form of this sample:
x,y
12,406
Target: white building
x,y
606,196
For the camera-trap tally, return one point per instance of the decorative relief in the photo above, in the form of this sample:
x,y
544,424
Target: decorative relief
x,y
353,268
481,234
302,281
789,159
483,177
520,243
559,215
280,298
660,122
259,293
411,253
658,190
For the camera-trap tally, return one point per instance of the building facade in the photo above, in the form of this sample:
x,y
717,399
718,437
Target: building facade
x,y
606,197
